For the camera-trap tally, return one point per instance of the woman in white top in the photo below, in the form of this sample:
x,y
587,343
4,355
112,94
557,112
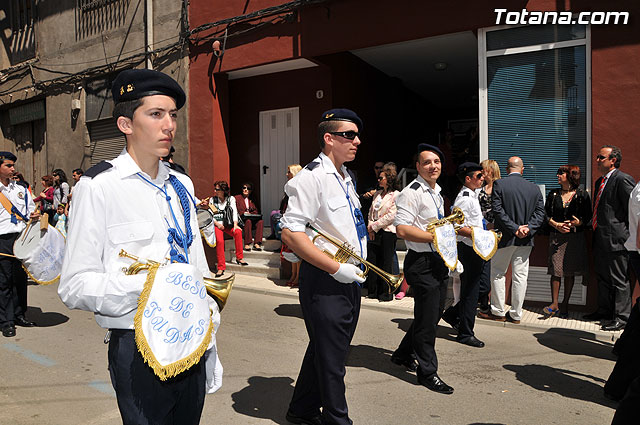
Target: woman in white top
x,y
382,232
221,201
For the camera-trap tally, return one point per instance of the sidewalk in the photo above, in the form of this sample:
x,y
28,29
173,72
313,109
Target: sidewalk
x,y
532,319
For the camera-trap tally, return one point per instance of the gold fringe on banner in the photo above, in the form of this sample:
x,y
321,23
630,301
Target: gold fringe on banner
x,y
206,241
177,367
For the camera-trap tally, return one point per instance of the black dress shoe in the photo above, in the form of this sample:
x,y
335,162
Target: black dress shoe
x,y
434,383
9,331
471,341
295,419
451,316
409,362
241,262
21,321
595,316
613,325
385,297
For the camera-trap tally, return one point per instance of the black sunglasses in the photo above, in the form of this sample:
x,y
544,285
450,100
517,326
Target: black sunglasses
x,y
478,175
601,157
246,187
346,134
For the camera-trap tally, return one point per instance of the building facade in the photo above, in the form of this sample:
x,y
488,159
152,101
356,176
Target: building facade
x,y
261,73
57,62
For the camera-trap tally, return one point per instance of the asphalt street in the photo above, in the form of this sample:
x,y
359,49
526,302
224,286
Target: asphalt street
x,y
57,373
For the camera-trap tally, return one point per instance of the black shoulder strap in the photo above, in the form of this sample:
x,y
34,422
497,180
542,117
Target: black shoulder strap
x,y
415,186
97,169
310,166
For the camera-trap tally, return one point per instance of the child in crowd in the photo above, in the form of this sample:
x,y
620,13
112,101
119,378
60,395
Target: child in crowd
x,y
60,219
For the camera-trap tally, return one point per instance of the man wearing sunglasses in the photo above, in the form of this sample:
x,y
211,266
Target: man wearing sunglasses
x,y
610,224
323,195
464,312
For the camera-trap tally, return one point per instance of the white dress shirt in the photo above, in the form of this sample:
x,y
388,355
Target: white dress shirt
x,y
467,201
418,205
634,217
22,200
118,210
318,195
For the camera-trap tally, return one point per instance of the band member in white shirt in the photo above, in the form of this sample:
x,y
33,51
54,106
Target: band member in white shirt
x,y
137,203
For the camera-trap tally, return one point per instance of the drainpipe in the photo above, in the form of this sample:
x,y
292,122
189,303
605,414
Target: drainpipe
x,y
148,32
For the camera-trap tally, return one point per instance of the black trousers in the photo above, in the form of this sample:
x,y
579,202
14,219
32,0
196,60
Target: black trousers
x,y
614,292
143,399
331,310
627,367
13,283
380,252
427,274
485,285
470,281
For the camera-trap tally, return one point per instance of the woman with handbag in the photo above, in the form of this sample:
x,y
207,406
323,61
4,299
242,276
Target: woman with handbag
x,y
251,217
382,232
226,221
46,196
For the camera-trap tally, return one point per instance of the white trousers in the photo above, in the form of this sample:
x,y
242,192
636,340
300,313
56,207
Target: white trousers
x,y
518,257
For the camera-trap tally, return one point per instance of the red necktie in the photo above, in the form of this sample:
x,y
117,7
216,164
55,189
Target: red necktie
x,y
594,221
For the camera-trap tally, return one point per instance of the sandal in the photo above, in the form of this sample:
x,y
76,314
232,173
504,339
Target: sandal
x,y
257,247
550,312
219,273
247,247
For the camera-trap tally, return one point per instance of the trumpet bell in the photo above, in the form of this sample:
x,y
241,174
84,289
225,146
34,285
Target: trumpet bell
x,y
220,288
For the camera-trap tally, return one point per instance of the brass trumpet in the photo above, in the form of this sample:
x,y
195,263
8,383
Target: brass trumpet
x,y
345,252
456,219
219,289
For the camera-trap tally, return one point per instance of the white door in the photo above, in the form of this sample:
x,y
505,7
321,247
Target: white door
x,y
279,147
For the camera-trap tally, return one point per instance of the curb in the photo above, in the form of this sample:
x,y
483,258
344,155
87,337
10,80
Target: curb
x,y
601,336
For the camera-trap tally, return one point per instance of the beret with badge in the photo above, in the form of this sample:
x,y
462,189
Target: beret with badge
x,y
8,155
468,167
427,147
133,84
342,114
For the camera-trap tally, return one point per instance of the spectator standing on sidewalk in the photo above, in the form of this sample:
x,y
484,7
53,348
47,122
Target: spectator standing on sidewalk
x,y
519,213
610,232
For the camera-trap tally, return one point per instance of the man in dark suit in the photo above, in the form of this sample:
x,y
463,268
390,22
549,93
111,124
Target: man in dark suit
x,y
610,224
519,213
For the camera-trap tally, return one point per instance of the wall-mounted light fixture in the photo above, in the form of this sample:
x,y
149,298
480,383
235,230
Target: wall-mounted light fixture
x,y
440,66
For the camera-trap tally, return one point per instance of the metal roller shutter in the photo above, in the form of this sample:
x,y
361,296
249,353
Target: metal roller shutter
x,y
106,140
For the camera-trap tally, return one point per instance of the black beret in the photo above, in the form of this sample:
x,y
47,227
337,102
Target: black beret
x,y
341,114
468,167
9,156
133,84
427,147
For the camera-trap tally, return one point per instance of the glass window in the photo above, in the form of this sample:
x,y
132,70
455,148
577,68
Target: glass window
x,y
537,109
533,35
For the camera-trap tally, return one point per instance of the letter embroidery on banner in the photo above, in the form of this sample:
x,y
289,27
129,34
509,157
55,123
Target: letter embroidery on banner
x,y
485,242
444,239
173,323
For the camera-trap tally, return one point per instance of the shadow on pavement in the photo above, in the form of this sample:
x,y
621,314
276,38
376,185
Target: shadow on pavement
x,y
266,398
378,360
289,310
444,332
45,319
575,342
564,382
